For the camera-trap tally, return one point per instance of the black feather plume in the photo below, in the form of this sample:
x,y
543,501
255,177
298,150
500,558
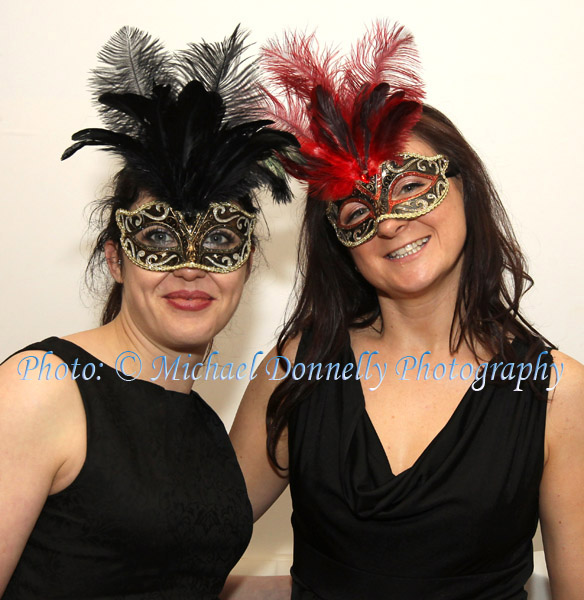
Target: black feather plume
x,y
222,69
130,62
190,123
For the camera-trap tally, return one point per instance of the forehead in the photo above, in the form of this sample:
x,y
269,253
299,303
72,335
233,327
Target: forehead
x,y
417,146
143,199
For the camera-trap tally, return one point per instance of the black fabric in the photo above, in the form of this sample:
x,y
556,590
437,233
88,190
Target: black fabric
x,y
457,525
159,509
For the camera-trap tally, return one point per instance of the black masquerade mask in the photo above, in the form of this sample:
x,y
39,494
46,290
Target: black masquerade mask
x,y
158,238
404,190
189,127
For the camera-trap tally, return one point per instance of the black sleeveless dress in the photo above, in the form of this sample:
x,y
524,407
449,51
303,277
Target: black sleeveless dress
x,y
457,525
159,509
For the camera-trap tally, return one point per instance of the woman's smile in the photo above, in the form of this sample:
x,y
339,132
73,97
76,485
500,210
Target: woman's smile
x,y
409,249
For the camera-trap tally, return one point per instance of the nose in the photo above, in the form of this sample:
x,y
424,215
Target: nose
x,y
189,274
389,228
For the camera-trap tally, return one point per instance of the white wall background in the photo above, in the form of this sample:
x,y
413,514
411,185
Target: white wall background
x,y
508,72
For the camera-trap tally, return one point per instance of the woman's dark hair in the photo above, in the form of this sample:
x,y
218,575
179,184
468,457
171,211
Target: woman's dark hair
x,y
334,296
126,191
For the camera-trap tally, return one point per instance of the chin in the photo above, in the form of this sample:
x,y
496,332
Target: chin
x,y
181,338
409,286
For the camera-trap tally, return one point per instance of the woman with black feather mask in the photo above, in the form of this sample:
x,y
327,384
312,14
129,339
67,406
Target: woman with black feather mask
x,y
118,481
425,425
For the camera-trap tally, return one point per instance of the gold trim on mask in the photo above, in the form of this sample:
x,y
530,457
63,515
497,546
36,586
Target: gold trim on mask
x,y
405,191
158,238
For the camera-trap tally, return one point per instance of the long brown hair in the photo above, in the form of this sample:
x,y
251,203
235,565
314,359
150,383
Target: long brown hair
x,y
333,296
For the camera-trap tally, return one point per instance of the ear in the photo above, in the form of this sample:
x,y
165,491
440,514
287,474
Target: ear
x,y
113,257
249,264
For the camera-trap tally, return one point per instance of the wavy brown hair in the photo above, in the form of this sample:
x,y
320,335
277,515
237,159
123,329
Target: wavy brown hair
x,y
333,296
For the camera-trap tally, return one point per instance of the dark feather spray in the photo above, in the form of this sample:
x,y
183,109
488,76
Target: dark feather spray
x,y
349,114
222,68
131,62
190,123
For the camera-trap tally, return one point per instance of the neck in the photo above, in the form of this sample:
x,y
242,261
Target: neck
x,y
422,322
419,324
171,368
414,325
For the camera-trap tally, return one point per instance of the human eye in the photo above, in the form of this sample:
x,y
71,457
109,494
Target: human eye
x,y
221,239
411,186
156,236
353,213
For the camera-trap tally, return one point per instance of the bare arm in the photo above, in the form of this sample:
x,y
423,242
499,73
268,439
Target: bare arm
x,y
562,486
264,482
244,587
36,434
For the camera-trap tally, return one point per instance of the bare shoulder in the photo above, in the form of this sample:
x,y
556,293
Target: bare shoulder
x,y
34,379
565,416
273,369
289,350
37,410
567,379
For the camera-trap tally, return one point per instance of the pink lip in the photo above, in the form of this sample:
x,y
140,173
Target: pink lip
x,y
193,300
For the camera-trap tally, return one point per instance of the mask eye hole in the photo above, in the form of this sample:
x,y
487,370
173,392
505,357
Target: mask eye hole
x,y
159,237
221,238
353,213
410,186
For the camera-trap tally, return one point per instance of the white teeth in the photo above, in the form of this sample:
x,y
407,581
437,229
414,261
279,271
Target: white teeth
x,y
409,249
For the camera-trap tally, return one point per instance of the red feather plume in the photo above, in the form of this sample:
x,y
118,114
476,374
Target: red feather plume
x,y
348,113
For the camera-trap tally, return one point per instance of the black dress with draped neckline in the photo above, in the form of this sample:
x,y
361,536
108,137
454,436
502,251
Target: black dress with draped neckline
x,y
456,525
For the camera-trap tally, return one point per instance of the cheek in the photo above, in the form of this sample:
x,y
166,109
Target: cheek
x,y
139,283
448,218
365,251
455,203
455,221
363,256
231,286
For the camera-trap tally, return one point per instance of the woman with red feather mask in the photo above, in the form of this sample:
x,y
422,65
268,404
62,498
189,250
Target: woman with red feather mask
x,y
426,426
